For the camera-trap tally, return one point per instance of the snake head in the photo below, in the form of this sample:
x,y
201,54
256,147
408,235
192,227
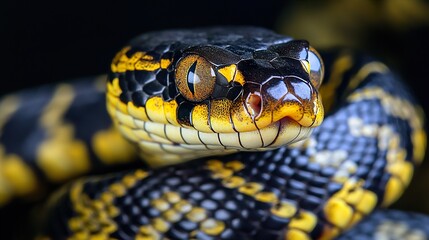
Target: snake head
x,y
273,88
218,97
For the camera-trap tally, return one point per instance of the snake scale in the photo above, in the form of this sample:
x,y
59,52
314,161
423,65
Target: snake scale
x,y
235,140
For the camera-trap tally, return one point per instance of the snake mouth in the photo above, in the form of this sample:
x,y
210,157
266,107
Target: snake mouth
x,y
286,131
308,113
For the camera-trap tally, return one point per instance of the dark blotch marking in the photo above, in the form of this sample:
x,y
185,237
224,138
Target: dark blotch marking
x,y
162,77
297,49
139,98
153,88
216,55
125,97
234,92
184,113
142,76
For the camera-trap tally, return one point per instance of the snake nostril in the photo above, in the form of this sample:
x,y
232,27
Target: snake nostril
x,y
254,104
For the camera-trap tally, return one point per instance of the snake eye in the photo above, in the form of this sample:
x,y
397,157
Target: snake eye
x,y
195,78
317,68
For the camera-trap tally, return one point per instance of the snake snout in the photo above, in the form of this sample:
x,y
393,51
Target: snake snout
x,y
283,97
298,99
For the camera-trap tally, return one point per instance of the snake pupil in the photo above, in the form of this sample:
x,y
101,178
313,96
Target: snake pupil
x,y
193,78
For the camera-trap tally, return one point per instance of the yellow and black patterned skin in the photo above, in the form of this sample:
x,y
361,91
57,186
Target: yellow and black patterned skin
x,y
391,224
55,133
218,95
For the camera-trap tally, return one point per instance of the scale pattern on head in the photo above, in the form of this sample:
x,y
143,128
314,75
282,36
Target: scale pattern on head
x,y
190,93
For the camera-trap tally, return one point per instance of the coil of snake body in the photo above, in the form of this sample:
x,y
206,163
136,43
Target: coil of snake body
x,y
231,125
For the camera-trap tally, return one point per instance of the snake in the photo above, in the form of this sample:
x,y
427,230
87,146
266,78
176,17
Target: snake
x,y
218,133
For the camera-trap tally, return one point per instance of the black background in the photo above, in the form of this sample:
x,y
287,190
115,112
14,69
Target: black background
x,y
60,40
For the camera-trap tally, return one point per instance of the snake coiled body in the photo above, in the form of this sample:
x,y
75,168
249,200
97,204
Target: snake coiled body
x,y
229,121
